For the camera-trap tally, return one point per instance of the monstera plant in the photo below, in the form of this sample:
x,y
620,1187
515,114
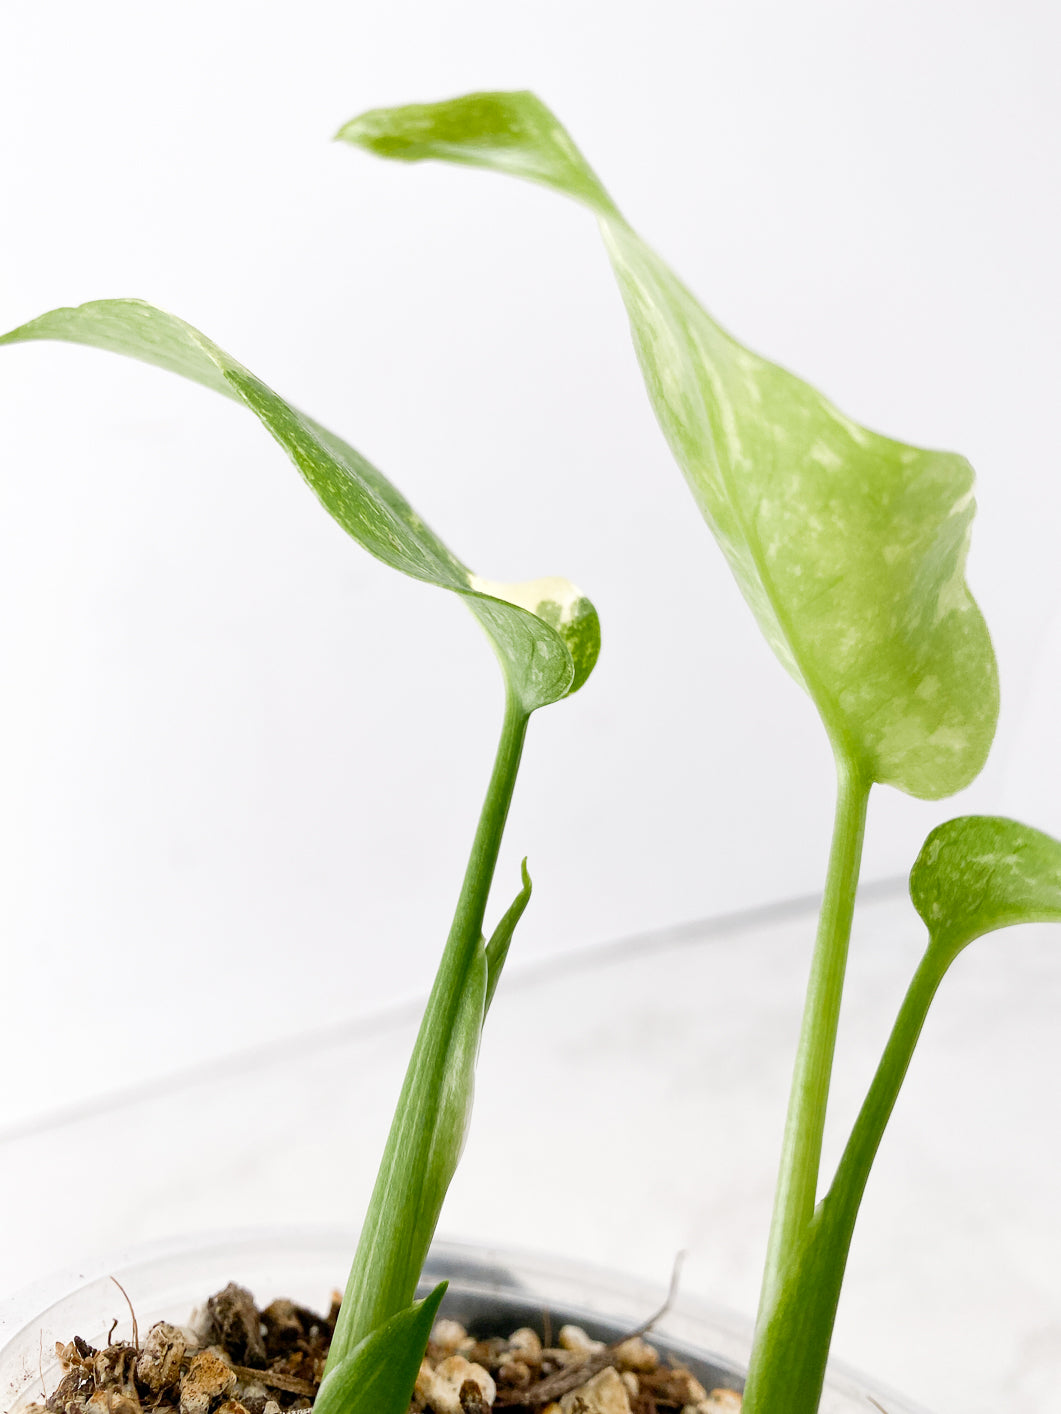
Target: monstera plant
x,y
850,550
546,637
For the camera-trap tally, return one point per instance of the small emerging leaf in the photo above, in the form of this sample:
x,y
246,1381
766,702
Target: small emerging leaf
x,y
378,1375
849,547
980,873
497,947
544,656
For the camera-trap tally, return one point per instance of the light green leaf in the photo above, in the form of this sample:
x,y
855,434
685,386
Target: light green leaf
x,y
849,547
983,872
378,1375
501,938
973,876
508,132
545,633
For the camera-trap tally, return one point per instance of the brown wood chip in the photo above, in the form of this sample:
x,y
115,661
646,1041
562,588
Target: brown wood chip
x,y
561,1381
290,1383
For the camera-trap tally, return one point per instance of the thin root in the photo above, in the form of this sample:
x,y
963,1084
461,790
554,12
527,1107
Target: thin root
x,y
132,1313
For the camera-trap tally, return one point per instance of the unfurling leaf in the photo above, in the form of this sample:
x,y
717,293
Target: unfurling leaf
x,y
545,655
849,547
982,872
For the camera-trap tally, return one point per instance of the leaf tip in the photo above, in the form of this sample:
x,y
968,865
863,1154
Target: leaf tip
x,y
508,130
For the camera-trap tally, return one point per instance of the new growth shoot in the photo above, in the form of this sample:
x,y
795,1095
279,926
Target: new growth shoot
x,y
546,637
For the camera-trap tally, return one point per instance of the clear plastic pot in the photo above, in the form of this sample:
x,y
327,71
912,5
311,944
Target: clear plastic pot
x,y
490,1290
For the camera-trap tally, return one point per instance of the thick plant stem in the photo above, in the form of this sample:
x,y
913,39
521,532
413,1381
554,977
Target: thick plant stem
x,y
797,1181
404,1207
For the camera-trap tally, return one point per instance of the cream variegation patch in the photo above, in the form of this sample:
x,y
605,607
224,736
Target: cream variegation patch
x,y
534,595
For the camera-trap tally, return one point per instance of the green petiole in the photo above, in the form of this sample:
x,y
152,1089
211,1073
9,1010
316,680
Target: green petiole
x,y
414,1171
791,1349
797,1182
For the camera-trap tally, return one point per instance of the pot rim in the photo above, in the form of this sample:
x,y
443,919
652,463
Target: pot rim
x,y
725,1333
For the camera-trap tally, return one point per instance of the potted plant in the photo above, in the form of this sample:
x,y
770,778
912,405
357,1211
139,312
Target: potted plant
x,y
850,549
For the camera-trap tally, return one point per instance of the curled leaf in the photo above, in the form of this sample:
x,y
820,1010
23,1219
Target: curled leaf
x,y
510,132
849,547
542,661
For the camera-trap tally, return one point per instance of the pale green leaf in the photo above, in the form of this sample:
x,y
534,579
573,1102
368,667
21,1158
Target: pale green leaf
x,y
849,547
982,872
545,632
510,132
378,1375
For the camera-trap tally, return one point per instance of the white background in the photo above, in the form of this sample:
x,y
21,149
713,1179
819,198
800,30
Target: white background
x,y
240,760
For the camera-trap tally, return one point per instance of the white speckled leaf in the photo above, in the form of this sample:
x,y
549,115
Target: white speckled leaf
x,y
546,634
849,547
980,873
